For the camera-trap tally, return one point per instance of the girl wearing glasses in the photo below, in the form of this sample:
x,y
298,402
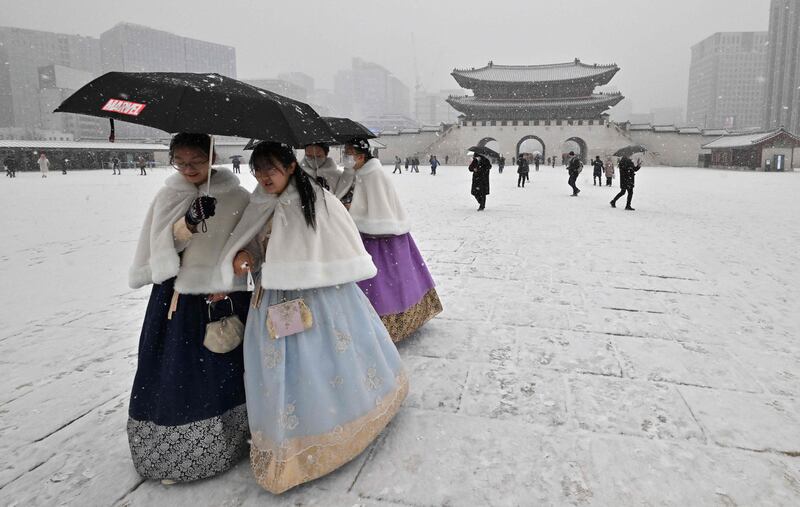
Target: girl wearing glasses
x,y
187,416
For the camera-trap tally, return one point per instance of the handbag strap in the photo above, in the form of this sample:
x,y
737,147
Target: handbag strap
x,y
208,306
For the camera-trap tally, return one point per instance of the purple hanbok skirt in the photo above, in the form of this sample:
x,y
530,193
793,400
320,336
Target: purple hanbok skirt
x,y
403,291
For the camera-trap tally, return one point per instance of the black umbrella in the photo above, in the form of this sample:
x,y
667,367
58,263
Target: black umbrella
x,y
342,130
483,150
187,102
630,150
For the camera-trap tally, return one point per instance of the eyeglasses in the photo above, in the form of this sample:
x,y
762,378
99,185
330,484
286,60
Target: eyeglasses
x,y
269,170
181,166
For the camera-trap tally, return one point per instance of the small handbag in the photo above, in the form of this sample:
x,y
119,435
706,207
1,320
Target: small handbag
x,y
223,333
288,318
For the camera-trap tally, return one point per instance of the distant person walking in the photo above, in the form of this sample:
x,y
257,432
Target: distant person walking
x,y
597,174
115,166
142,166
574,168
237,164
434,165
44,165
553,161
627,177
397,163
501,164
480,168
536,161
10,168
415,165
609,170
407,162
65,166
446,159
523,169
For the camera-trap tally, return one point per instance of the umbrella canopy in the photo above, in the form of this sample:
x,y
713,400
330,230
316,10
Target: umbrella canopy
x,y
208,103
345,129
483,150
341,130
630,150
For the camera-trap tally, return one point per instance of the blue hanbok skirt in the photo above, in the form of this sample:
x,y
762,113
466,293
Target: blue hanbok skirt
x,y
317,399
187,417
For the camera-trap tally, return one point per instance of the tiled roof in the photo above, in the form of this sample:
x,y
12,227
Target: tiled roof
x,y
745,140
535,73
81,145
596,99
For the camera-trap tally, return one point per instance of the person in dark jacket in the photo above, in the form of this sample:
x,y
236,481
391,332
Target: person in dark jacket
x,y
523,170
501,164
597,176
574,168
627,175
536,161
479,168
407,160
434,164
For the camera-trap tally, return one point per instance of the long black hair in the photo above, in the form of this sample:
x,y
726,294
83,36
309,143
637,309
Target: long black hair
x,y
361,146
277,152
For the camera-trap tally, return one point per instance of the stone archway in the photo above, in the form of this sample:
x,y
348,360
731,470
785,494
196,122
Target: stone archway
x,y
542,149
577,145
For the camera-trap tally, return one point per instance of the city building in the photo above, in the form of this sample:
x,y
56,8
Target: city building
x,y
369,90
783,83
281,87
727,80
300,79
562,91
765,151
24,53
433,108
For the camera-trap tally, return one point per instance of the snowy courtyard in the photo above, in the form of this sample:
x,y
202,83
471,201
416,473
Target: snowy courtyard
x,y
585,356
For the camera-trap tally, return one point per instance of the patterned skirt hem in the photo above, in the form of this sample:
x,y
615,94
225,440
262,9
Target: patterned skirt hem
x,y
278,468
401,325
189,452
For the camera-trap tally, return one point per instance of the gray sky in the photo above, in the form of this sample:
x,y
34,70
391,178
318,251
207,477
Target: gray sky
x,y
648,39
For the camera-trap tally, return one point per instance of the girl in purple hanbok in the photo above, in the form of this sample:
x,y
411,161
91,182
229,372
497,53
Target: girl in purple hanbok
x,y
403,291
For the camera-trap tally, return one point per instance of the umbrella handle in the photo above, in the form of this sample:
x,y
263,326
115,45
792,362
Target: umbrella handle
x,y
210,158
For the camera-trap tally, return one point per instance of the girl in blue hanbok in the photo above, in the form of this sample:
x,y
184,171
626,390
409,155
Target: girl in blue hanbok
x,y
317,394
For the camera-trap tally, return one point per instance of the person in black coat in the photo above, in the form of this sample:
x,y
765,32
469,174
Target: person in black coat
x,y
479,168
627,177
574,168
597,177
501,163
523,169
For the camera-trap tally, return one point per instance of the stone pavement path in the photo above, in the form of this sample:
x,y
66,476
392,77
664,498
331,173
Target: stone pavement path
x,y
586,356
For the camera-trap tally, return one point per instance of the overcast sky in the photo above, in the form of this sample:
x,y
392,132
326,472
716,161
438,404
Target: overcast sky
x,y
648,39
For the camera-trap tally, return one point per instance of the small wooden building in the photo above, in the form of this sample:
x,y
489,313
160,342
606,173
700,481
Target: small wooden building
x,y
776,150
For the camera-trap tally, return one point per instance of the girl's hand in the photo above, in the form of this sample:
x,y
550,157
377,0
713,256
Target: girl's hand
x,y
219,296
242,263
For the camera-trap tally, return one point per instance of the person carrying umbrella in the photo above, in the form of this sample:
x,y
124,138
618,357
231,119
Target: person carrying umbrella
x,y
237,163
480,167
323,377
187,415
403,292
627,177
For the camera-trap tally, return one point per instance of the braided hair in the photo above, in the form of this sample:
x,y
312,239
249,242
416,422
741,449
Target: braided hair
x,y
278,152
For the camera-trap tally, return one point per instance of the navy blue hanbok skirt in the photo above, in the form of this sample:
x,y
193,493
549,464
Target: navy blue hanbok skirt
x,y
187,417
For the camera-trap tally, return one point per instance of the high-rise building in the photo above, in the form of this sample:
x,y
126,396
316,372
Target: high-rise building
x,y
727,81
433,109
369,90
783,85
43,68
300,79
134,48
23,53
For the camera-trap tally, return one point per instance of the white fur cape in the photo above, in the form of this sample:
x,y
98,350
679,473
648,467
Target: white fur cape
x,y
297,256
327,170
376,208
157,255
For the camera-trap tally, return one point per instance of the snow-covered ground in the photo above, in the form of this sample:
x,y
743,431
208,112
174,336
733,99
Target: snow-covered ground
x,y
586,355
